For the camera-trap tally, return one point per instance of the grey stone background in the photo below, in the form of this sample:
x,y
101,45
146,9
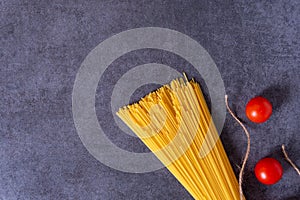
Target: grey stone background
x,y
255,45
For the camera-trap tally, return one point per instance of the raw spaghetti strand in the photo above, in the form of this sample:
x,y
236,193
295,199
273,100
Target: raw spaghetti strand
x,y
289,160
248,148
173,122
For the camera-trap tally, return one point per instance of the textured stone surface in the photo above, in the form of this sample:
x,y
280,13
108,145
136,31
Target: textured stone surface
x,y
42,44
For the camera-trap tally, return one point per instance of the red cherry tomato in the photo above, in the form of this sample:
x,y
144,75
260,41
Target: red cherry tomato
x,y
268,171
259,109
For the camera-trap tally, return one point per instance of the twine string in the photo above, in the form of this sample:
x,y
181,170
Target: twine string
x,y
247,151
289,160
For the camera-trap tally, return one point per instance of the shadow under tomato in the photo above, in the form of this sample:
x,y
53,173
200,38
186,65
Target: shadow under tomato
x,y
277,95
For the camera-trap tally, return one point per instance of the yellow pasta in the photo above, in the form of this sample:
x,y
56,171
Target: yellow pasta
x,y
173,122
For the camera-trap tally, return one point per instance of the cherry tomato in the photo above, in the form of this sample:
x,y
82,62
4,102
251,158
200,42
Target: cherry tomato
x,y
259,109
268,171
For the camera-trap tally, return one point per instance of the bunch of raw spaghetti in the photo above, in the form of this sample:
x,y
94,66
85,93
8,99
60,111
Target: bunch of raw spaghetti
x,y
174,122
